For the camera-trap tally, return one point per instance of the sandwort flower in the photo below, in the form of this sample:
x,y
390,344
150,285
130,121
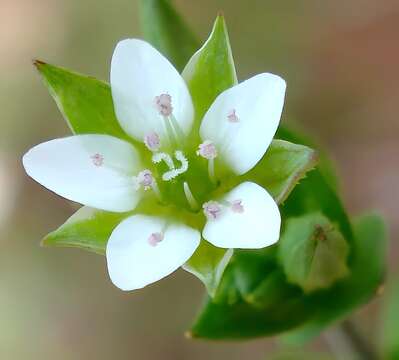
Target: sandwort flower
x,y
176,187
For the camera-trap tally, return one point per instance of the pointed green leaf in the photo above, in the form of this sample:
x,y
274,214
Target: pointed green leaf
x,y
210,70
165,29
282,167
313,252
85,102
264,306
208,264
87,229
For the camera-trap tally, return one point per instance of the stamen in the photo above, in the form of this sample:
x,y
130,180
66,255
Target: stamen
x,y
152,141
163,104
207,150
146,180
211,170
176,127
155,238
232,116
212,210
189,196
237,206
98,159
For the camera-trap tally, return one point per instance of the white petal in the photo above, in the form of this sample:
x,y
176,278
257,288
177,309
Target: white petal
x,y
257,104
256,227
139,73
134,263
94,170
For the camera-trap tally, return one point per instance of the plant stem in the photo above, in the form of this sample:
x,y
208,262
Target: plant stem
x,y
357,342
346,339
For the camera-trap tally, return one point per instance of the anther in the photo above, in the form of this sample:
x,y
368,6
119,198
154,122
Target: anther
x,y
232,116
237,206
97,159
155,238
212,210
145,179
152,141
207,150
163,104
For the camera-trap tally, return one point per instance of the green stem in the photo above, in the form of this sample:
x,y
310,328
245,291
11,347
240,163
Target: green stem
x,y
346,339
358,343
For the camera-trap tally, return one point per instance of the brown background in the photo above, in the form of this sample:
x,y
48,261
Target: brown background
x,y
340,59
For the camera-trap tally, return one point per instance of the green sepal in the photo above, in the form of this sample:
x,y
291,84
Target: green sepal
x,y
166,30
281,168
313,252
210,70
367,273
208,264
85,102
88,229
239,311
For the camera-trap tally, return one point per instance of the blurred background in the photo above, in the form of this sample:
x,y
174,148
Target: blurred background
x,y
340,59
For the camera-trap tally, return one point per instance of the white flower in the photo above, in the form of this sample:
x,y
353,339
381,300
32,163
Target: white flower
x,y
154,107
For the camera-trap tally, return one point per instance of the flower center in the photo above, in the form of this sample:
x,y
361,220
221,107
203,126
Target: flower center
x,y
163,104
155,238
173,172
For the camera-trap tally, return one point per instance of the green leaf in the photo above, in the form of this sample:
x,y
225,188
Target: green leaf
x,y
85,102
282,167
313,252
208,264
165,29
254,299
87,229
210,70
390,323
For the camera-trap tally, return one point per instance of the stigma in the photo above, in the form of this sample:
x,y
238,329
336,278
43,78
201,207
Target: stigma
x,y
163,104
